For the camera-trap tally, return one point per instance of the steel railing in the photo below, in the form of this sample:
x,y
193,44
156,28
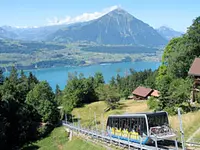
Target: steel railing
x,y
100,135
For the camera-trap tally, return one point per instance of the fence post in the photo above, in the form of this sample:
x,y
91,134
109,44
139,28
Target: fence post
x,y
66,118
79,124
176,144
95,119
102,124
181,129
128,142
118,141
110,139
140,143
156,142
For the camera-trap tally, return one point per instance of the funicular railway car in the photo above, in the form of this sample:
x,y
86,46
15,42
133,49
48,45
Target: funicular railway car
x,y
140,127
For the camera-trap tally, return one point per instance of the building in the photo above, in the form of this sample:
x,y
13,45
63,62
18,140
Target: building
x,y
195,73
142,93
155,93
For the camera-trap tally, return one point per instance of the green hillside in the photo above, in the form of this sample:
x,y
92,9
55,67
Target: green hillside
x,y
58,140
191,121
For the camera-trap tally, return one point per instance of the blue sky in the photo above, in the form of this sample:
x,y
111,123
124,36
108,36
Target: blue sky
x,y
177,14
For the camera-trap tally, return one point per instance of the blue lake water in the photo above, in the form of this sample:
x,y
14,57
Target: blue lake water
x,y
59,75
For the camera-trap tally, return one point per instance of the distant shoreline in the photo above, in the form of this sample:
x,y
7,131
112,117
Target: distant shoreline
x,y
31,68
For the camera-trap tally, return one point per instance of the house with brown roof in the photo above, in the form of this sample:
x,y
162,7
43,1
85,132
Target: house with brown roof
x,y
195,68
142,93
155,93
194,71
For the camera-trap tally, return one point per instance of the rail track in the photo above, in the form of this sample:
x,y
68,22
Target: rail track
x,y
98,136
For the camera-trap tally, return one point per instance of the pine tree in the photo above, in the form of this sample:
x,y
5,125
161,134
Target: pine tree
x,y
1,77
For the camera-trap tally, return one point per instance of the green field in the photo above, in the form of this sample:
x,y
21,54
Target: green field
x,y
191,121
25,55
58,140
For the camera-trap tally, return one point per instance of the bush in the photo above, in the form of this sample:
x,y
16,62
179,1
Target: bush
x,y
44,130
153,103
171,110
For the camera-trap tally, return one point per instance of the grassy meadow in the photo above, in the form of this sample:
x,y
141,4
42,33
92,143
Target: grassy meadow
x,y
58,140
191,121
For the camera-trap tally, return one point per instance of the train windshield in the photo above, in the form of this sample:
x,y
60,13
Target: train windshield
x,y
159,119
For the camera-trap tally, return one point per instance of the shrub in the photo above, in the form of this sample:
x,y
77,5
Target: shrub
x,y
153,103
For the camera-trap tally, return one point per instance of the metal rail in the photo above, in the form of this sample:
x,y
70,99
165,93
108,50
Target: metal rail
x,y
114,141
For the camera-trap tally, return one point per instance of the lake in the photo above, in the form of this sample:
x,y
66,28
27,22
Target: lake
x,y
59,75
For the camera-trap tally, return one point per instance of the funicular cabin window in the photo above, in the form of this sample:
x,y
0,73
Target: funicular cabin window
x,y
122,123
143,126
157,120
109,122
128,123
131,124
116,123
138,124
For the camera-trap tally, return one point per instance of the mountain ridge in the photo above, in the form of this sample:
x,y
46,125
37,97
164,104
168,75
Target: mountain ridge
x,y
115,27
168,32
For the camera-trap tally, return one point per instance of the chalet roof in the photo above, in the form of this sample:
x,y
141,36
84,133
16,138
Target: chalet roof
x,y
195,67
155,93
142,91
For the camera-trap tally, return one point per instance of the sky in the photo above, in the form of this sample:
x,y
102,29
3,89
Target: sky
x,y
177,14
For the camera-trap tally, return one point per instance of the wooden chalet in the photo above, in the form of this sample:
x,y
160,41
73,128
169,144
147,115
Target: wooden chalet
x,y
155,93
142,93
195,73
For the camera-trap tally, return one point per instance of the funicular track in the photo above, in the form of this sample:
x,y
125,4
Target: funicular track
x,y
105,139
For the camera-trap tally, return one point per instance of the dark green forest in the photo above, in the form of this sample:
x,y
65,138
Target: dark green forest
x,y
29,107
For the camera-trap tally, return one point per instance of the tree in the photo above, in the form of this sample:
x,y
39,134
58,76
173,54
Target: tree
x,y
41,98
32,81
113,82
1,77
109,95
58,95
79,91
16,117
13,76
22,86
172,79
98,79
16,124
180,92
193,31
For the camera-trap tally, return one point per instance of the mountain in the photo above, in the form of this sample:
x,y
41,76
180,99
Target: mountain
x,y
168,33
117,27
33,33
7,34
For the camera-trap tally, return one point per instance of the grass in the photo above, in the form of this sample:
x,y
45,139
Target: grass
x,y
191,121
88,112
55,141
58,140
78,144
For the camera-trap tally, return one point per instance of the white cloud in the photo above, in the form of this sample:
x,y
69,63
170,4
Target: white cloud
x,y
81,18
26,27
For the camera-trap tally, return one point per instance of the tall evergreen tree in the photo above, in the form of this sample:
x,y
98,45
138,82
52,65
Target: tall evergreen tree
x,y
58,95
98,79
41,98
32,81
1,77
